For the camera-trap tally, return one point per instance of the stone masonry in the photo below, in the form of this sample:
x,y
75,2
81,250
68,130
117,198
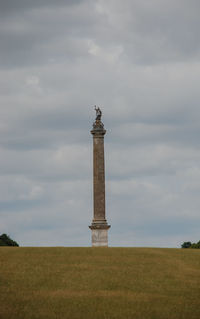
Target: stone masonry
x,y
99,224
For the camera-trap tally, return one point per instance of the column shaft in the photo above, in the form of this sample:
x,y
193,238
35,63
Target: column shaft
x,y
98,178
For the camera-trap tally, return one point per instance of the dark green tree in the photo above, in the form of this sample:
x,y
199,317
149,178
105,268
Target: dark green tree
x,y
196,245
186,244
5,240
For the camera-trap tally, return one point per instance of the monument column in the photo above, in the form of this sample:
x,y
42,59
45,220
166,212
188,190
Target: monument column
x,y
99,224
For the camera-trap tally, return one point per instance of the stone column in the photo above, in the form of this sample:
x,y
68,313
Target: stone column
x,y
99,224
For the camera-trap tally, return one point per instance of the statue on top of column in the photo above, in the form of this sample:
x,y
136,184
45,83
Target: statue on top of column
x,y
98,113
98,124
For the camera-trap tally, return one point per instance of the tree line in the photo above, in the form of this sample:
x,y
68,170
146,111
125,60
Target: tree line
x,y
188,244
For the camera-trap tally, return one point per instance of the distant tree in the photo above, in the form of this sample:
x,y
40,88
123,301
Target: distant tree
x,y
186,244
196,245
5,240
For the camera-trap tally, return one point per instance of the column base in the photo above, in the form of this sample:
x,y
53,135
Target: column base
x,y
99,235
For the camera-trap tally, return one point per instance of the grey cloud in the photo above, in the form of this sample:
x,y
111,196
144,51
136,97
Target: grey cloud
x,y
42,34
139,61
18,205
156,31
12,7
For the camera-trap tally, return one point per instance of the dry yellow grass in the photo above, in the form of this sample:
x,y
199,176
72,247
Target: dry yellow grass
x,y
94,283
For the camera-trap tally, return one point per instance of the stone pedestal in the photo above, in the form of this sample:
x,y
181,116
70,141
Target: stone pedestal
x,y
99,224
99,236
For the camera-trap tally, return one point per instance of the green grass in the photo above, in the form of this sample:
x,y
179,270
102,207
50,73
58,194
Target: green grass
x,y
113,283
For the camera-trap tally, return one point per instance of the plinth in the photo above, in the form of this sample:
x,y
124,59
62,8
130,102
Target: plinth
x,y
99,224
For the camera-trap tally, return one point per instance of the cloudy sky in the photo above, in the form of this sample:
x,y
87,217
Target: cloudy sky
x,y
139,60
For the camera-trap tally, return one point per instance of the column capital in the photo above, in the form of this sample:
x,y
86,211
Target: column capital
x,y
98,129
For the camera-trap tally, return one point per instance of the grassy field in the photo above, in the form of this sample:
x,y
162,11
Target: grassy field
x,y
136,283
